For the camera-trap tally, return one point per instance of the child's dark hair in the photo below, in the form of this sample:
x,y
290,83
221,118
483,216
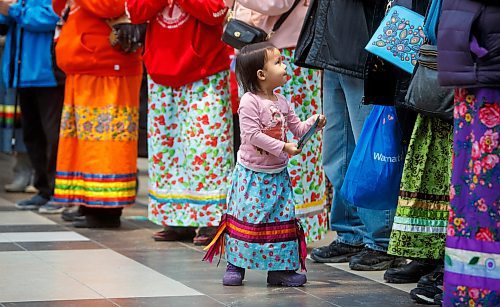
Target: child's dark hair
x,y
250,59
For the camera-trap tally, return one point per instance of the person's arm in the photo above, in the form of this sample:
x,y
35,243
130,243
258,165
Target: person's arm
x,y
38,17
106,9
251,127
211,12
268,7
140,11
296,126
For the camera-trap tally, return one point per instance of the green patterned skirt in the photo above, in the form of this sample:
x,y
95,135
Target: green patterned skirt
x,y
419,228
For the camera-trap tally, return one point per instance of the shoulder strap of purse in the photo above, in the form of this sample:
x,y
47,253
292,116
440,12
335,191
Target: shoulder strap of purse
x,y
283,17
279,22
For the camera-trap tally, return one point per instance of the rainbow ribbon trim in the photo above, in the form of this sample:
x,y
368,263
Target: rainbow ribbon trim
x,y
95,190
256,233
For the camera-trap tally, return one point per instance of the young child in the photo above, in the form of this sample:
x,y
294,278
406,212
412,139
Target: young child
x,y
259,230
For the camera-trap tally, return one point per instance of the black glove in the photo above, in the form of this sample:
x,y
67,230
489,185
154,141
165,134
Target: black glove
x,y
129,37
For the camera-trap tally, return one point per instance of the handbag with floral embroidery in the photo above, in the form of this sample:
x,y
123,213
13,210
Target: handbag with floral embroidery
x,y
399,37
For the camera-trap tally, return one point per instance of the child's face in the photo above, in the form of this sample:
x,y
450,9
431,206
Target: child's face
x,y
275,69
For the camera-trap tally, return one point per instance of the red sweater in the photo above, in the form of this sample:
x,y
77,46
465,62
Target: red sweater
x,y
183,42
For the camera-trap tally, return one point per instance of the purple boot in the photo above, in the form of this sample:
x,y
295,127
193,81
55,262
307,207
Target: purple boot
x,y
286,278
234,275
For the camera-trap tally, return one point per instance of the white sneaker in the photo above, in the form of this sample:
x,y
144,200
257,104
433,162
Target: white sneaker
x,y
50,208
30,189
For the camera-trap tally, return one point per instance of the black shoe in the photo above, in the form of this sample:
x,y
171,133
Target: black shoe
x,y
89,221
428,287
438,299
69,214
372,260
408,273
432,278
335,252
426,295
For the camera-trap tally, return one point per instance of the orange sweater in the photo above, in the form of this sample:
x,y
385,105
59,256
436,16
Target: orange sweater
x,y
83,46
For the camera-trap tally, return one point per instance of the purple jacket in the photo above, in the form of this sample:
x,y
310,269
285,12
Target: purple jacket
x,y
469,43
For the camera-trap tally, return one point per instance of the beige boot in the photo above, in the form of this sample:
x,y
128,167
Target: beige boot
x,y
22,174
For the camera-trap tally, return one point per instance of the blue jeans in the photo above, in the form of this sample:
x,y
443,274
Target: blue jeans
x,y
346,115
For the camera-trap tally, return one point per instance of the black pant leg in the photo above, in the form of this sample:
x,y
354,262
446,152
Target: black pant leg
x,y
143,118
407,120
50,103
34,139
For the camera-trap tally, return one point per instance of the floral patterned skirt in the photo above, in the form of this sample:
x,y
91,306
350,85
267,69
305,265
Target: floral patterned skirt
x,y
472,257
190,151
97,154
303,89
262,205
419,228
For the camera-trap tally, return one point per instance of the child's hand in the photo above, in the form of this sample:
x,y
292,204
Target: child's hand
x,y
291,149
322,121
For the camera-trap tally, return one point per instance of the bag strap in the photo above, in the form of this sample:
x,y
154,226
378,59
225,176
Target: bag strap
x,y
17,84
389,5
283,17
431,21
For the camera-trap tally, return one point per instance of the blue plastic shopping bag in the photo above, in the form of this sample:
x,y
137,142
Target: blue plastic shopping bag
x,y
374,173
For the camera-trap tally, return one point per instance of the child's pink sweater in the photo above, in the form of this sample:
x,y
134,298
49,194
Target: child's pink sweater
x,y
264,124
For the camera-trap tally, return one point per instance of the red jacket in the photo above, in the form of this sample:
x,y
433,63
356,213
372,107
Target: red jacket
x,y
183,42
83,46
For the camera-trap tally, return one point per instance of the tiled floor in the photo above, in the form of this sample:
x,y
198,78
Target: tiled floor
x,y
90,274
9,218
375,276
46,262
49,236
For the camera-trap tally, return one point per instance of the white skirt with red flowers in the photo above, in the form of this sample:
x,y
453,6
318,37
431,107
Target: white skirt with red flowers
x,y
303,89
190,147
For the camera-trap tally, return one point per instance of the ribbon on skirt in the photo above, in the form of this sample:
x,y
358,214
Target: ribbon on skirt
x,y
256,233
301,237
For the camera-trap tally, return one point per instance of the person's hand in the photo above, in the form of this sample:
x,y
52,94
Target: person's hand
x,y
129,36
322,121
291,149
5,6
